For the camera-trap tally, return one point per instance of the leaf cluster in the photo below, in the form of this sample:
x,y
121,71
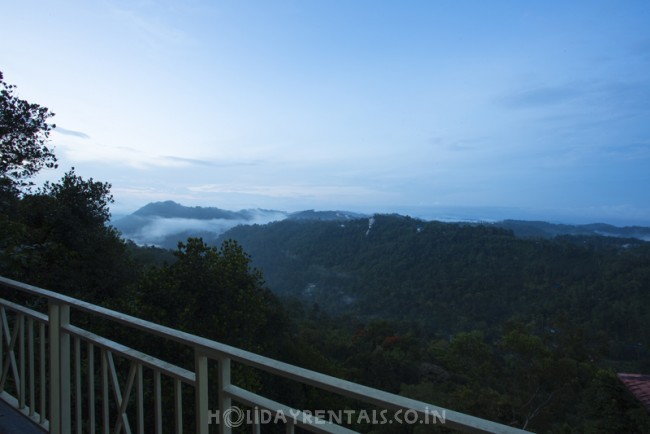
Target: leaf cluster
x,y
24,133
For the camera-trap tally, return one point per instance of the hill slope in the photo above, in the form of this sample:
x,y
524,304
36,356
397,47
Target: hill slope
x,y
452,277
550,230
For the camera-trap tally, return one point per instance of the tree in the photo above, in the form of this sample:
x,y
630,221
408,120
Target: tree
x,y
24,134
66,243
84,204
212,292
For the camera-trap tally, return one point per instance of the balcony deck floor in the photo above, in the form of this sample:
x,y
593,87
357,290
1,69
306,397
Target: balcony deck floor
x,y
14,422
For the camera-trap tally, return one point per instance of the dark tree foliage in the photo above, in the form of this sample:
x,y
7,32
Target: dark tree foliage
x,y
24,132
84,203
212,292
62,241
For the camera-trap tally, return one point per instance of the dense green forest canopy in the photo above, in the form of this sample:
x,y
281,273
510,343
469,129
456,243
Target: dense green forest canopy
x,y
528,332
448,277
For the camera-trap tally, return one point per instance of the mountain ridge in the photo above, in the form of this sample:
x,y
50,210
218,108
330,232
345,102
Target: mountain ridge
x,y
165,223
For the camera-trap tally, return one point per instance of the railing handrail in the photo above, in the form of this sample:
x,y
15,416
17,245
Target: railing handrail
x,y
220,351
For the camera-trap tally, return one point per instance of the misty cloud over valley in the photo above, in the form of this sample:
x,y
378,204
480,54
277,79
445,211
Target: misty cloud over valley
x,y
163,224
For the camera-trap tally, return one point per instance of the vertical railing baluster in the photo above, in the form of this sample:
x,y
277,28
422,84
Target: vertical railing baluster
x,y
43,379
30,355
91,387
2,339
55,367
105,415
66,409
157,392
224,399
201,391
77,382
139,399
257,421
21,361
178,406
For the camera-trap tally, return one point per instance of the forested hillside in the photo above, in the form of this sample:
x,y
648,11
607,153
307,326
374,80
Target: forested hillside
x,y
447,277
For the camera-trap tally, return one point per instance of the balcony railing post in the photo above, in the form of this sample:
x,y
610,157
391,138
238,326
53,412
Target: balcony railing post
x,y
201,391
59,355
66,408
224,399
21,363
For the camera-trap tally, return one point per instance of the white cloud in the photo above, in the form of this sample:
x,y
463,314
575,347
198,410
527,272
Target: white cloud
x,y
67,132
160,228
287,190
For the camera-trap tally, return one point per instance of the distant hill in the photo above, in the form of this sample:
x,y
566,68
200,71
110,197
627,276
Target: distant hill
x,y
326,215
541,229
166,223
171,209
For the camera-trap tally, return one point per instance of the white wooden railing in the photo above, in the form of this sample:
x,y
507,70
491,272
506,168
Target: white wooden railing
x,y
50,373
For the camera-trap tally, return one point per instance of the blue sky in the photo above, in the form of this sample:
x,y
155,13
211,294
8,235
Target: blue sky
x,y
510,109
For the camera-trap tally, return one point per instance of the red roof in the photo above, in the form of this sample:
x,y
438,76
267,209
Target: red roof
x,y
639,385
